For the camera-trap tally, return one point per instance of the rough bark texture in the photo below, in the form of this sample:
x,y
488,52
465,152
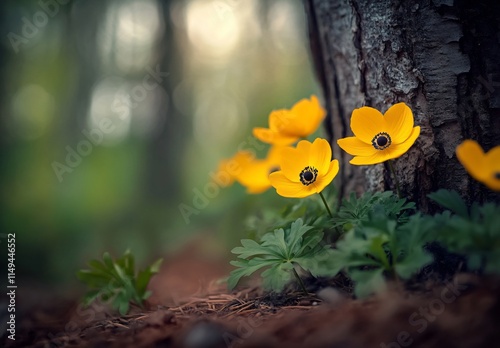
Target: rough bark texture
x,y
440,57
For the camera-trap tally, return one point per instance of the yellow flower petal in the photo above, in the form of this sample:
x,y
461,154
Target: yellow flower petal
x,y
493,159
366,122
280,120
304,148
287,126
399,120
292,163
320,155
324,181
354,146
393,151
472,157
308,115
286,188
493,166
274,154
255,176
305,170
269,137
254,173
397,150
484,167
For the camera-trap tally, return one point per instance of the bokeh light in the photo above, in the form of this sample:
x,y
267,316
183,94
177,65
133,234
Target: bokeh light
x,y
116,112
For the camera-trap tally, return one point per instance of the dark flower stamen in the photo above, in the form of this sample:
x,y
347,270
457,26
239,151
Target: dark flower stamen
x,y
308,175
381,141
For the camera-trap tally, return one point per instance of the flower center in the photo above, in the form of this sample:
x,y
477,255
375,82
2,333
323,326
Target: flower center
x,y
496,175
381,141
308,175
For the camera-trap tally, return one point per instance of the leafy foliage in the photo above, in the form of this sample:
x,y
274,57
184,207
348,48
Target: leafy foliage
x,y
378,247
311,211
474,234
382,238
116,282
279,252
354,211
450,200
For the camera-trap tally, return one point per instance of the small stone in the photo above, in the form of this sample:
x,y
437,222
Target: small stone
x,y
205,334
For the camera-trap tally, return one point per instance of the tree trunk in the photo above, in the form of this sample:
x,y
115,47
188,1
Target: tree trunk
x,y
440,58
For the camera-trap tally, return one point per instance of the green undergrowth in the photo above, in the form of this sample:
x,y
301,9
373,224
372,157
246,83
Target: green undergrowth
x,y
371,239
116,281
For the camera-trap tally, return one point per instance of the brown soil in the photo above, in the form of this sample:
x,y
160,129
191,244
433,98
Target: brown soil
x,y
191,310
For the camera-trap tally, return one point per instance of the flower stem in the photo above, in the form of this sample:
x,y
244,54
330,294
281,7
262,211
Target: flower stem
x,y
300,281
326,204
395,178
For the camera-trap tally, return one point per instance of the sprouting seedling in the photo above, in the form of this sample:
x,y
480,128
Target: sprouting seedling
x,y
116,281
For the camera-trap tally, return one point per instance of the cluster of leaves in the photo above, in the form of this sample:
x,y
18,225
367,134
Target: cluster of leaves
x,y
280,251
381,237
116,281
354,211
473,233
378,240
311,211
379,248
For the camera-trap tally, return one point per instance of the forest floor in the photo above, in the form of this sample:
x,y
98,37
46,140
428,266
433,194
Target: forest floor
x,y
191,309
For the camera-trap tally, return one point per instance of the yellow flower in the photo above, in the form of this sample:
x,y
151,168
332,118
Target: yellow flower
x,y
255,172
484,167
228,169
288,126
305,170
378,138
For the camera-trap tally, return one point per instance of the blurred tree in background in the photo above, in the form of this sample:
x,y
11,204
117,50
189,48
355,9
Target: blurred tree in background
x,y
115,112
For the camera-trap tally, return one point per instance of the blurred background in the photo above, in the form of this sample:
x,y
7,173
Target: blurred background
x,y
114,113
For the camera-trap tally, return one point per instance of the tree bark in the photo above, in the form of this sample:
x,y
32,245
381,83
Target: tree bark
x,y
440,58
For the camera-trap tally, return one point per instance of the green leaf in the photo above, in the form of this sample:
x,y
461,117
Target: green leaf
x,y
93,280
155,267
246,268
129,264
99,268
413,263
115,281
142,281
276,277
251,248
108,261
277,250
368,282
91,296
297,241
450,200
354,211
325,263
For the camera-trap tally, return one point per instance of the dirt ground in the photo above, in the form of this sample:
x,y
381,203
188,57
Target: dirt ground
x,y
191,309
